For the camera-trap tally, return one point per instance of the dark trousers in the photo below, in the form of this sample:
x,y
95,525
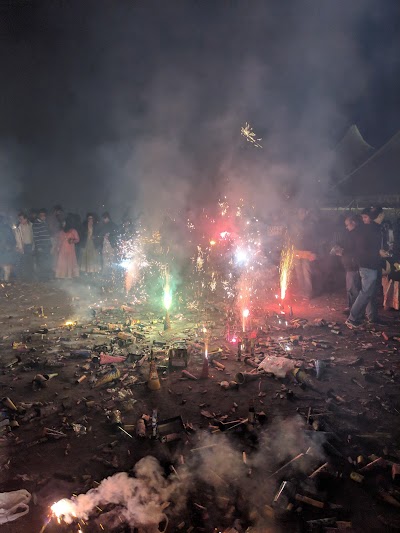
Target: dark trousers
x,y
43,265
25,263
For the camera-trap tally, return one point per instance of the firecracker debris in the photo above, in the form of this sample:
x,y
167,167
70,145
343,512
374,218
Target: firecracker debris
x,y
310,409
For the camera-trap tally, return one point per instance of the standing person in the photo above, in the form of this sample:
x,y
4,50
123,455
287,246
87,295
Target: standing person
x,y
7,248
90,259
43,246
107,235
303,236
56,220
24,239
346,250
66,265
367,243
374,217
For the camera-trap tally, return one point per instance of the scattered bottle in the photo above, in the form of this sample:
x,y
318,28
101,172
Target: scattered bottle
x,y
239,351
251,417
154,425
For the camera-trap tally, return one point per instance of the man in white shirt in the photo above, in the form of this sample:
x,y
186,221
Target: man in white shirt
x,y
24,239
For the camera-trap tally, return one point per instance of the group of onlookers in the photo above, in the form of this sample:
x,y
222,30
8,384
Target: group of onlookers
x,y
368,248
41,246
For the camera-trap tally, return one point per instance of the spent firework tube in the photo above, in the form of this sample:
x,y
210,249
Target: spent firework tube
x,y
84,354
106,359
113,374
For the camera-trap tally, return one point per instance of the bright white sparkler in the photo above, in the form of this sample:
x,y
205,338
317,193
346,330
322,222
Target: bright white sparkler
x,y
245,315
242,257
64,510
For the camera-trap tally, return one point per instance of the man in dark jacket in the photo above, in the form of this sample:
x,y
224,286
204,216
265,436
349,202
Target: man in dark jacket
x,y
346,250
367,243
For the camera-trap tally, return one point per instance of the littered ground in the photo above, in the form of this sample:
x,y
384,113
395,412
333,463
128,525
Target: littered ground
x,y
51,469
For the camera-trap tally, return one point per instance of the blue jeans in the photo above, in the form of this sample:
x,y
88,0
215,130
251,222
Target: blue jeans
x,y
353,286
365,296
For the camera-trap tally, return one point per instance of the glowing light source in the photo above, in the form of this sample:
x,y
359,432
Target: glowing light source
x,y
167,298
125,263
245,314
285,268
63,509
241,256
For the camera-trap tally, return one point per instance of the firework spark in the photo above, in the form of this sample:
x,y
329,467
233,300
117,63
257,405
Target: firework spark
x,y
248,133
167,299
64,509
285,267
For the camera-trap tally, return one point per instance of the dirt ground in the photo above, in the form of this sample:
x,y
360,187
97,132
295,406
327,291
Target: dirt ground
x,y
347,418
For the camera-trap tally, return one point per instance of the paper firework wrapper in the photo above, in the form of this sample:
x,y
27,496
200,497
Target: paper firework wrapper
x,y
7,402
107,378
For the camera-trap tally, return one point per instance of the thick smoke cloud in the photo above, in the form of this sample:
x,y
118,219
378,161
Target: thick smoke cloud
x,y
149,497
140,104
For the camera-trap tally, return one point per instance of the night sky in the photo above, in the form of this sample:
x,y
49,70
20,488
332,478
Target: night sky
x,y
140,103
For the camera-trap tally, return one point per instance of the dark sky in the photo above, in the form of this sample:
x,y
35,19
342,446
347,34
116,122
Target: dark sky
x,y
121,103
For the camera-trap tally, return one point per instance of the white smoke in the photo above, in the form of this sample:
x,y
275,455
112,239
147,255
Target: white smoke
x,y
140,498
150,497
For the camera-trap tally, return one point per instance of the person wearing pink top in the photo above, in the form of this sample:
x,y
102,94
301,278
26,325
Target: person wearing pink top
x,y
66,264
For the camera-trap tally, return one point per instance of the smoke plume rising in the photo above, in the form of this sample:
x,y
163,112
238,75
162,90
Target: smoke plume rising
x,y
142,500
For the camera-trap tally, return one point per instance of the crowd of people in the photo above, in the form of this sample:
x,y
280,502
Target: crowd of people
x,y
369,251
365,246
43,247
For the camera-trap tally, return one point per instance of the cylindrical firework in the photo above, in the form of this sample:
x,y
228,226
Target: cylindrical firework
x,y
7,402
217,364
355,476
167,321
319,368
113,374
140,428
154,381
187,374
116,417
84,354
239,351
310,501
245,377
170,437
50,376
247,345
302,377
106,359
204,370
